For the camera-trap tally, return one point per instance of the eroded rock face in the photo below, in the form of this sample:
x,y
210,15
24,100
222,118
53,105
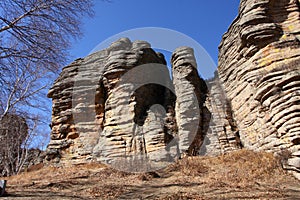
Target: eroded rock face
x,y
191,94
222,135
136,104
259,65
120,104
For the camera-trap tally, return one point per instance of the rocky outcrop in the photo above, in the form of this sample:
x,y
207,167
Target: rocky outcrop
x,y
120,106
62,125
191,94
259,65
222,135
136,104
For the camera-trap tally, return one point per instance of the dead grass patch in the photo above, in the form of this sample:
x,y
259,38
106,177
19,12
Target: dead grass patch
x,y
181,196
190,166
246,167
236,174
106,191
241,168
55,173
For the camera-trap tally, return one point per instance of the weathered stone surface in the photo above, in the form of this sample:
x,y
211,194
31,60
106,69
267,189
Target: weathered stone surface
x,y
222,135
62,119
119,104
136,102
259,65
191,93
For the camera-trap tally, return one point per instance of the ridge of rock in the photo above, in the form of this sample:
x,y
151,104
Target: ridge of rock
x,y
120,104
259,65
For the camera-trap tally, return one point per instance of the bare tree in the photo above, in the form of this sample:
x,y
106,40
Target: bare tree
x,y
13,133
16,137
34,38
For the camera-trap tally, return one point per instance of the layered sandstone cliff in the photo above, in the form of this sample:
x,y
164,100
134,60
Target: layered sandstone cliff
x,y
120,105
259,65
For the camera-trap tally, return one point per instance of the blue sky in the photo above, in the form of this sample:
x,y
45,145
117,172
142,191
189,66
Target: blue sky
x,y
203,21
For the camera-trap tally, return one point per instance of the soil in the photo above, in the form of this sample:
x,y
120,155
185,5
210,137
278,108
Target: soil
x,y
241,175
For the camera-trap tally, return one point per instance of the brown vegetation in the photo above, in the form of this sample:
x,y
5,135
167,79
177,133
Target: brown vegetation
x,y
240,169
240,174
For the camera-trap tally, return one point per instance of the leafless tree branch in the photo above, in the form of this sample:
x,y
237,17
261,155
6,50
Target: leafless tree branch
x,y
34,38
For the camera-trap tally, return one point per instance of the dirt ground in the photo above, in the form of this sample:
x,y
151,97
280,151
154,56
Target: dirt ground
x,y
238,175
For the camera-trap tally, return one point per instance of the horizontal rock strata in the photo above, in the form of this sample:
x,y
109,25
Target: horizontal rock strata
x,y
120,106
222,135
191,93
259,65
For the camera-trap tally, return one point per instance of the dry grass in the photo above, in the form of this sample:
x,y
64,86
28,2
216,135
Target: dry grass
x,y
190,166
91,180
240,174
239,169
181,196
55,173
106,191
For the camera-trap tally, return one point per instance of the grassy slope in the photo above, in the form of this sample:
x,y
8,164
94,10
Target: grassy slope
x,y
239,175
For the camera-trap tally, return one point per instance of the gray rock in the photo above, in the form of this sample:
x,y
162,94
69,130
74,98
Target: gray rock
x,y
191,93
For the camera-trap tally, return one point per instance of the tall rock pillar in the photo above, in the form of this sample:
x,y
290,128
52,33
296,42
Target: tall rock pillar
x,y
191,92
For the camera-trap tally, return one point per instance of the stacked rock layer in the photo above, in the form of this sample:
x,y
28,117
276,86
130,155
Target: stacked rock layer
x,y
120,105
259,65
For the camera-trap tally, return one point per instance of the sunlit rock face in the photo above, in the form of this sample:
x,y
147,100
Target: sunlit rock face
x,y
222,134
120,104
191,93
259,65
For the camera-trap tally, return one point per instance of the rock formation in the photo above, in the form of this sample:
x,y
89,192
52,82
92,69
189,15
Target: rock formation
x,y
222,134
191,93
259,65
120,105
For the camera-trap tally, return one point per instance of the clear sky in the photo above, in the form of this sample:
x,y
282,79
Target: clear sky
x,y
203,21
